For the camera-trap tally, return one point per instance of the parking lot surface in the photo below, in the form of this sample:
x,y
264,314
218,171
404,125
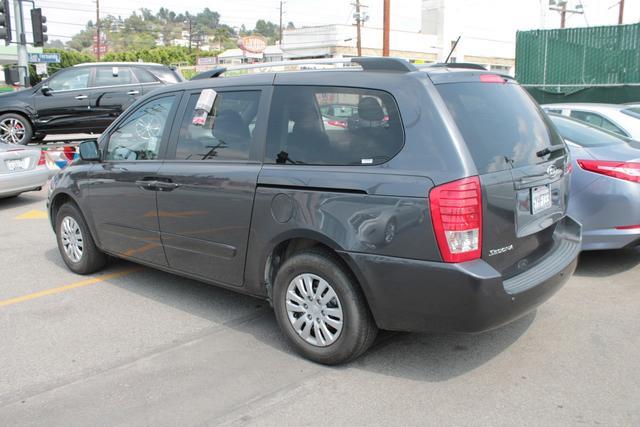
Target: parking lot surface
x,y
134,346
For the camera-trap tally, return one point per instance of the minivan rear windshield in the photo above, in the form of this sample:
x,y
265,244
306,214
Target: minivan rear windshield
x,y
501,125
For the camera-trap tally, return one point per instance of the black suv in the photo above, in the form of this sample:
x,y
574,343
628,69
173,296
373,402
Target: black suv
x,y
440,207
85,98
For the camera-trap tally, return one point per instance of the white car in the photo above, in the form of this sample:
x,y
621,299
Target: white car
x,y
22,169
623,119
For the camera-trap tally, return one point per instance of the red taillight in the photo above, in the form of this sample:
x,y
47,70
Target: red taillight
x,y
623,170
491,78
42,160
628,227
337,123
456,214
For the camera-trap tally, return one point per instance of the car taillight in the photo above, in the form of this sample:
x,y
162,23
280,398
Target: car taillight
x,y
456,214
42,160
628,227
628,171
337,123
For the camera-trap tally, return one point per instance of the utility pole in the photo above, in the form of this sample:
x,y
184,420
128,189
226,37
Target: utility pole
x,y
23,56
190,21
360,17
280,40
98,29
621,12
385,27
562,8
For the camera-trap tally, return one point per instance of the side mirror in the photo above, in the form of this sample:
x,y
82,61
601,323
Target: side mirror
x,y
46,90
89,151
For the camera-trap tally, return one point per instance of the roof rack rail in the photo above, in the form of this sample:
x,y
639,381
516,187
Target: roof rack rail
x,y
209,74
384,64
366,63
458,65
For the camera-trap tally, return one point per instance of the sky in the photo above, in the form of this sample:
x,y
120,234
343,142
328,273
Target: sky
x,y
66,17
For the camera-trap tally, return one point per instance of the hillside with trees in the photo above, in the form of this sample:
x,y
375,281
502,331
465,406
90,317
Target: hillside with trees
x,y
148,36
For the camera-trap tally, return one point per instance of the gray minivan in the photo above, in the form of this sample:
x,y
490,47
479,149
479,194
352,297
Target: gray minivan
x,y
438,205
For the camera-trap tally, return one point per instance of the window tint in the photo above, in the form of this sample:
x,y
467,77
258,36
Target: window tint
x,y
139,136
227,131
632,111
583,134
597,120
75,78
113,76
500,123
144,76
333,126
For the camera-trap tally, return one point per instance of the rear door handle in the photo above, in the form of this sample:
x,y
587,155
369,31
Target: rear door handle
x,y
147,184
165,186
133,92
81,97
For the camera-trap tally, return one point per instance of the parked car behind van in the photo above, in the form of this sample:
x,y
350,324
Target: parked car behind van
x,y
258,196
605,186
85,98
623,120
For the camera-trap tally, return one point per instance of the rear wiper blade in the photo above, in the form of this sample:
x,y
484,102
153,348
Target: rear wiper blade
x,y
549,150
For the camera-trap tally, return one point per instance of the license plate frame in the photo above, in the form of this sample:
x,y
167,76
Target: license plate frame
x,y
540,199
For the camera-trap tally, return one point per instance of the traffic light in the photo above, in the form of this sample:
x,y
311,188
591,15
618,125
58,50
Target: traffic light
x,y
5,21
39,29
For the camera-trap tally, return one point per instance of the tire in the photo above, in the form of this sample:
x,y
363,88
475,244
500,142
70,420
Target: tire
x,y
23,131
91,259
358,329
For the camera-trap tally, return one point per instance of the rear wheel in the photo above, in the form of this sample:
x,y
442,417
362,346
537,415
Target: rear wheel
x,y
75,243
15,129
321,309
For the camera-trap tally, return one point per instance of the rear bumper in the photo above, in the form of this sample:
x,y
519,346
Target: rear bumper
x,y
19,182
412,295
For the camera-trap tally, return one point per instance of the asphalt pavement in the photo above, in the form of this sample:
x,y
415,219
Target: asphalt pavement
x,y
134,346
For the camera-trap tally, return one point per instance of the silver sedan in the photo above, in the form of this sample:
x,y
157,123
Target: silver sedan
x,y
21,169
605,186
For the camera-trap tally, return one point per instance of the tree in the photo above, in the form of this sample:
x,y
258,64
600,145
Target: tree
x,y
291,26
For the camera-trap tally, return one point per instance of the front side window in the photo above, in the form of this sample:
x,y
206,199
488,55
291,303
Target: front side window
x,y
75,78
113,76
140,135
224,133
333,126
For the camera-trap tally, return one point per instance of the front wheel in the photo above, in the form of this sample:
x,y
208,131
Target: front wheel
x,y
321,310
15,129
75,243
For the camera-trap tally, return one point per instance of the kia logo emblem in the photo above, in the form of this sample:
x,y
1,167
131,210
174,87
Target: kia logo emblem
x,y
552,171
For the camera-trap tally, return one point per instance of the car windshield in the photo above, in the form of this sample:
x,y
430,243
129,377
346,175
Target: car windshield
x,y
583,134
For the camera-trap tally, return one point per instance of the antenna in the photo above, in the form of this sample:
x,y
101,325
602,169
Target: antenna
x,y
452,49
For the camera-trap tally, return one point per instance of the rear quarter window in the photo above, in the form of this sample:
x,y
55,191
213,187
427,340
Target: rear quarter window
x,y
333,126
584,135
500,123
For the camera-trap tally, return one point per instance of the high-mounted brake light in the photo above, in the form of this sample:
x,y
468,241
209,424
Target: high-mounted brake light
x,y
629,171
456,214
491,78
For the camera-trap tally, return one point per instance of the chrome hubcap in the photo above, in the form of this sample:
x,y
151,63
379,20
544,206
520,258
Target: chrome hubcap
x,y
72,241
11,131
314,310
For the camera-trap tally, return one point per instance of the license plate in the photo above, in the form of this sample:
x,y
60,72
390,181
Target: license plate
x,y
540,199
17,165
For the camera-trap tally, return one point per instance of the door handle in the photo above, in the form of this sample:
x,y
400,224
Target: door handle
x,y
147,184
81,97
165,186
133,92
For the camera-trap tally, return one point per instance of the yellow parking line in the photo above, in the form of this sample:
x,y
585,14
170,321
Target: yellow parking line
x,y
34,214
65,288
